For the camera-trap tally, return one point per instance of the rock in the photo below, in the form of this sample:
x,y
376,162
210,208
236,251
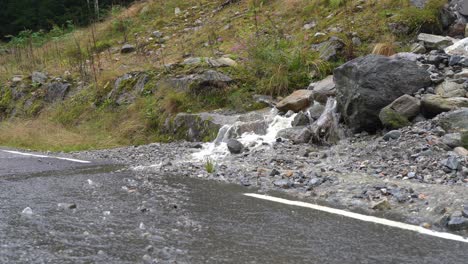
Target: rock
x,y
177,11
419,3
418,48
465,211
452,140
222,62
66,206
462,74
381,205
432,105
323,89
329,50
451,163
455,121
460,48
127,48
399,112
234,146
299,100
199,127
157,34
27,211
315,111
200,82
457,29
366,85
463,8
296,134
394,134
283,183
56,91
461,151
300,120
457,223
128,87
38,77
392,119
274,172
435,41
16,79
193,61
450,89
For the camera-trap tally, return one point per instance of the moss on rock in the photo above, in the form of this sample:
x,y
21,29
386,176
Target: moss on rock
x,y
392,119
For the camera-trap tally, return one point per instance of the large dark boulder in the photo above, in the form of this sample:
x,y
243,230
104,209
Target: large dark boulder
x,y
366,85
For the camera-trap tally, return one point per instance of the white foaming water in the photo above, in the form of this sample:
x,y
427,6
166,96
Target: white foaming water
x,y
218,149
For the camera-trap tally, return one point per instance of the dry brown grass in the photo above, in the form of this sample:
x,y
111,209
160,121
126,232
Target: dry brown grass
x,y
385,49
45,135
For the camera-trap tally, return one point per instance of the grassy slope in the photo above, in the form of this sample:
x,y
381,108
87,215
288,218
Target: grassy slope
x,y
266,37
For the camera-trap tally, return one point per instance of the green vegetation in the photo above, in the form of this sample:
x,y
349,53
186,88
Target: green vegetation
x,y
266,39
209,165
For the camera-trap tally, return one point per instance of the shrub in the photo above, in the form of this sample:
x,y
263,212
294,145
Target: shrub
x,y
279,66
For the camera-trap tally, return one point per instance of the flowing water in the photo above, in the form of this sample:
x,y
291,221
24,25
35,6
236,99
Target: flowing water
x,y
255,137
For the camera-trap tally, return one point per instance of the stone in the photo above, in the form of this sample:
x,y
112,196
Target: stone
x,y
399,112
299,100
452,140
419,3
381,205
450,89
283,183
56,91
432,105
366,85
460,48
455,121
157,34
323,89
222,62
418,48
315,111
462,74
296,134
274,172
16,79
451,163
127,48
461,151
454,60
128,87
392,119
38,77
457,29
193,61
198,127
27,211
300,120
394,134
197,83
66,206
465,211
463,8
434,41
457,223
234,146
330,49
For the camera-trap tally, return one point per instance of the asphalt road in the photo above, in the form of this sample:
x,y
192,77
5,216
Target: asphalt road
x,y
122,216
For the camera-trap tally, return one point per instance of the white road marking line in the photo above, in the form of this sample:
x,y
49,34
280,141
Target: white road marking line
x,y
366,218
44,156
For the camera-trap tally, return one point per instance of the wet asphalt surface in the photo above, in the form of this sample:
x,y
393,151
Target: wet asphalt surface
x,y
122,216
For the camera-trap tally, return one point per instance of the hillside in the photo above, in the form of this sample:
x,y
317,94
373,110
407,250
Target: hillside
x,y
74,89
